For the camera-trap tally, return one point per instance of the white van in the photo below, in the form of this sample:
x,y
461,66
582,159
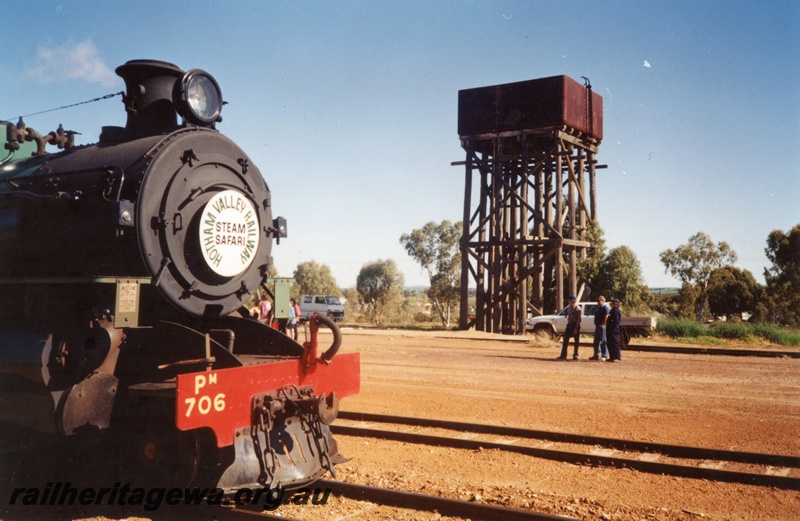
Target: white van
x,y
325,305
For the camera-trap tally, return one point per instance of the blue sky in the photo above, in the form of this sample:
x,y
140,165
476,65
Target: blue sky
x,y
349,108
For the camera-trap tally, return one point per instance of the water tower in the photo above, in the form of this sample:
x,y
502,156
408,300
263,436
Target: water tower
x,y
530,153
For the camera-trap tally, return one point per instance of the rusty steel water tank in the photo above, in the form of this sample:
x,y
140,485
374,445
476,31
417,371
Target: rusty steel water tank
x,y
556,101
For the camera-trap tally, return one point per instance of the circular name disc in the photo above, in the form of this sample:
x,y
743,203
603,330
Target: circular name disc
x,y
229,233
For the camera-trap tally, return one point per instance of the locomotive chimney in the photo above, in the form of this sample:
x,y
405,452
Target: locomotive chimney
x,y
148,102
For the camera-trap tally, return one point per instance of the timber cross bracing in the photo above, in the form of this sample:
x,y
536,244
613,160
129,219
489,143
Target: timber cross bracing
x,y
526,213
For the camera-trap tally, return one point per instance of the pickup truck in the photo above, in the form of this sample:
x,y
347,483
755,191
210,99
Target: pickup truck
x,y
553,326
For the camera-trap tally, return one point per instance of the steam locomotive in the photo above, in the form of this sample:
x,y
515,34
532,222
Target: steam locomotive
x,y
124,269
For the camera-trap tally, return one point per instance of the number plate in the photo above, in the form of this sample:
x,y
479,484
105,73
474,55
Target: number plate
x,y
221,400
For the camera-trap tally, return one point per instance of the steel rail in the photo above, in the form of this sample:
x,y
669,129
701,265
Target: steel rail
x,y
582,458
690,350
63,512
711,351
237,513
701,350
652,467
444,506
676,451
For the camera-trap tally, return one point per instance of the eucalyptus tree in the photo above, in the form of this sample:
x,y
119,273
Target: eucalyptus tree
x,y
380,289
783,277
312,278
695,262
620,276
436,248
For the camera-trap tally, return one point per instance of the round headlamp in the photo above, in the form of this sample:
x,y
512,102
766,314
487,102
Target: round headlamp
x,y
198,98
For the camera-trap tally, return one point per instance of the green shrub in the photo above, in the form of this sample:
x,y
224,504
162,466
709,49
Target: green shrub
x,y
731,330
680,328
421,317
777,334
686,328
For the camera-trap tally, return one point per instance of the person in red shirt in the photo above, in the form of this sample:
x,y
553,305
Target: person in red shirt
x,y
264,311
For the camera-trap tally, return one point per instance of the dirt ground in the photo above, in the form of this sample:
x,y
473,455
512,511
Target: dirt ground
x,y
725,402
734,403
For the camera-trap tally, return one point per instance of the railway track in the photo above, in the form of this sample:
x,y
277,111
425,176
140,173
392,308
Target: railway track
x,y
686,350
387,497
769,470
444,506
700,350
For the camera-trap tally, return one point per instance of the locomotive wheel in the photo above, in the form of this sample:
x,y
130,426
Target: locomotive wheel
x,y
161,455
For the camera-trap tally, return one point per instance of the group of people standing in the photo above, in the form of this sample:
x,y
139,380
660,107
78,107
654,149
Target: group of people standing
x,y
607,332
264,314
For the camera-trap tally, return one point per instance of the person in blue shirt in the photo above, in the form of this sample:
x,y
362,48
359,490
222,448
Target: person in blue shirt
x,y
600,318
293,319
